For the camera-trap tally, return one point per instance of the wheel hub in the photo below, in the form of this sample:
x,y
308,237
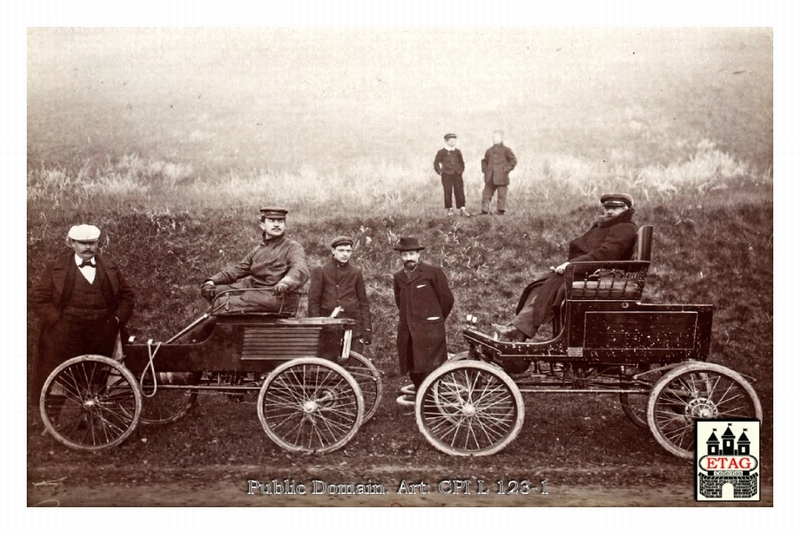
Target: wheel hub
x,y
309,406
702,408
468,409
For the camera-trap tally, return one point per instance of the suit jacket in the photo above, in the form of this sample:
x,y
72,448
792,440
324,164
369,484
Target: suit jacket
x,y
424,301
339,285
448,162
498,161
51,292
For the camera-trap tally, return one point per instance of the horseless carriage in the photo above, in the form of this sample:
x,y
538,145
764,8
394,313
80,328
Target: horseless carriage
x,y
607,341
312,392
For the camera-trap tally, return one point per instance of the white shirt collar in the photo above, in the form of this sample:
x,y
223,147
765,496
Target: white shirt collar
x,y
79,260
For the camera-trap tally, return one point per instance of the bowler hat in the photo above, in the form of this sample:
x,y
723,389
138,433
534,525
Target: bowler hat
x,y
271,212
341,240
408,243
616,200
450,136
84,232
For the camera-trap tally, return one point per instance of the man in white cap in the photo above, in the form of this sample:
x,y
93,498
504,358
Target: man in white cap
x,y
82,301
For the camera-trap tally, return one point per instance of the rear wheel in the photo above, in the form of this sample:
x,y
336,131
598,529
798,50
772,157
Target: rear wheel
x,y
697,390
369,380
635,404
469,408
168,404
310,405
90,402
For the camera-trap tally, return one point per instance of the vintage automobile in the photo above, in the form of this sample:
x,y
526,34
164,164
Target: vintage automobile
x,y
313,393
608,341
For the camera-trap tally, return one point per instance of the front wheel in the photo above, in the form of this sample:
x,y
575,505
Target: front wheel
x,y
469,408
697,390
90,402
310,405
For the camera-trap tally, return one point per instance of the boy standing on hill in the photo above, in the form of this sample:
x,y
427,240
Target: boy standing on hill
x,y
339,283
449,164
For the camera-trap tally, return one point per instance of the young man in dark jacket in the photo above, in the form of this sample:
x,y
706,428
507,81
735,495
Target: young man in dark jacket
x,y
449,164
339,283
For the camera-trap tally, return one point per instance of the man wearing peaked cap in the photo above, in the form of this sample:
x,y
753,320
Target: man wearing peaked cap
x,y
424,301
339,283
82,301
268,275
616,200
449,164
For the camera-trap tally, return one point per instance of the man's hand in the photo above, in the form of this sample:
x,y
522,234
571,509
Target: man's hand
x,y
208,290
366,337
281,288
560,269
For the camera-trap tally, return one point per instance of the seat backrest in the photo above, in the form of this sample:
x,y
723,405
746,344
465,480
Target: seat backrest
x,y
644,244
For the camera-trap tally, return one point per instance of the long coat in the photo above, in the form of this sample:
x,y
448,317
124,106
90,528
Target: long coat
x,y
498,161
607,240
49,297
424,301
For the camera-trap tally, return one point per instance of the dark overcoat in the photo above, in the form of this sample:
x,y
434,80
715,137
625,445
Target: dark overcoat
x,y
49,297
424,301
335,284
609,239
498,161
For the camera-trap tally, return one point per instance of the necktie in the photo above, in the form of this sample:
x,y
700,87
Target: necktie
x,y
86,263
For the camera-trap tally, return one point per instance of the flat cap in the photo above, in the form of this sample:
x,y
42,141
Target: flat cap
x,y
271,212
616,200
341,240
84,232
450,136
408,243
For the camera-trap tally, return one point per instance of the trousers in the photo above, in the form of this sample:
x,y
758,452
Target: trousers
x,y
488,192
453,183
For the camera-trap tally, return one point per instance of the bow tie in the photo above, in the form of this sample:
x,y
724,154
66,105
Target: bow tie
x,y
86,263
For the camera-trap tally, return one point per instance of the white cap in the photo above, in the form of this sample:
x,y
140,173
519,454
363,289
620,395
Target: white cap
x,y
84,232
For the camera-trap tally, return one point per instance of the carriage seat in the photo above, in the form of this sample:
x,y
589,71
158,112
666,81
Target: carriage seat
x,y
621,280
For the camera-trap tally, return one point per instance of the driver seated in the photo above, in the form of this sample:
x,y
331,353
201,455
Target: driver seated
x,y
611,238
277,267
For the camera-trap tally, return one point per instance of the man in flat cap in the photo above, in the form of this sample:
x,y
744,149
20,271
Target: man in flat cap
x,y
424,300
611,238
276,267
496,164
339,283
449,164
82,301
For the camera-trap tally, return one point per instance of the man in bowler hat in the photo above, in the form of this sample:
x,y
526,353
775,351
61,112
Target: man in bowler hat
x,y
424,301
82,301
339,283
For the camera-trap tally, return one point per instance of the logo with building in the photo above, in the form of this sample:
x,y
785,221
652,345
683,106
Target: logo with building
x,y
727,466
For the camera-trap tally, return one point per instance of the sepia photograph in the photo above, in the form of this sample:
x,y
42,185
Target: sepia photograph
x,y
354,266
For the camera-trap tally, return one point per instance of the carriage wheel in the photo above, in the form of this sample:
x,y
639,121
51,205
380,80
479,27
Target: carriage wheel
x,y
168,404
697,390
469,408
310,405
635,404
90,402
369,380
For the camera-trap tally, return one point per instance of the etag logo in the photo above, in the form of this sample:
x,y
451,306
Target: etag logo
x,y
727,466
